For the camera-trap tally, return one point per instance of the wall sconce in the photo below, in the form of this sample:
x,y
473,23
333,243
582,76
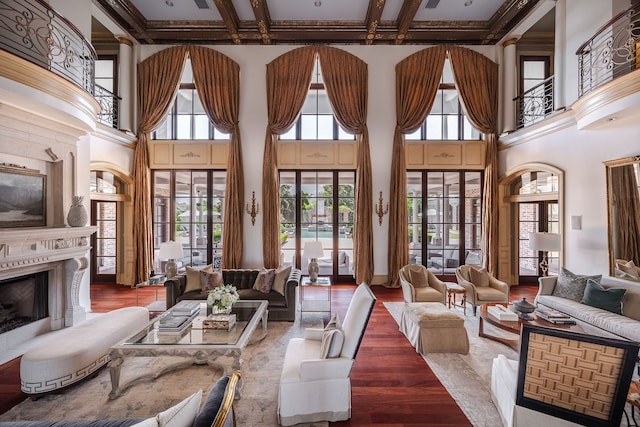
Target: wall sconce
x,y
380,210
255,208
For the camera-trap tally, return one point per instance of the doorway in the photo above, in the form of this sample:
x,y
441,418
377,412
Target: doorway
x,y
533,217
104,242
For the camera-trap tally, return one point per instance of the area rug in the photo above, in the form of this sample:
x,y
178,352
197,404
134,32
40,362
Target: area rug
x,y
467,377
262,364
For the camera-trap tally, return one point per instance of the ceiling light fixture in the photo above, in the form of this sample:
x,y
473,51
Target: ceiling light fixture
x,y
168,3
468,2
317,3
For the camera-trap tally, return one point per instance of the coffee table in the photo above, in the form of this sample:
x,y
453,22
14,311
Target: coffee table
x,y
514,326
194,345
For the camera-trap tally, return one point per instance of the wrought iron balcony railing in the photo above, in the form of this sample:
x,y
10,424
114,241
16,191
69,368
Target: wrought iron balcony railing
x,y
612,52
535,104
33,31
108,106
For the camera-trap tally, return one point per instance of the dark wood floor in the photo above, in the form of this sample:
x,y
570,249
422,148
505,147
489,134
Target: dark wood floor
x,y
391,384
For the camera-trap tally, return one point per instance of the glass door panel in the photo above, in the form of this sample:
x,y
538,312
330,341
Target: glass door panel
x,y
104,216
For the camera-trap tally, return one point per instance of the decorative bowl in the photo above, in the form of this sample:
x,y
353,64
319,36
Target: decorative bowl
x,y
524,308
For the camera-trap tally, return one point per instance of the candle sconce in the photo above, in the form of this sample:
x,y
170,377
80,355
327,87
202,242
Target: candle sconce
x,y
380,210
255,208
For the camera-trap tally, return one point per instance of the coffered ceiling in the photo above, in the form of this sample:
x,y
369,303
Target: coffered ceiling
x,y
317,21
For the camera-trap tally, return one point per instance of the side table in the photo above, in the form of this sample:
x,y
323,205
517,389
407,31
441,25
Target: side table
x,y
454,289
156,282
315,297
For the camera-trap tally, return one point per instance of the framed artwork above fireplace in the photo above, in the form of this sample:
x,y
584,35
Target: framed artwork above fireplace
x,y
23,202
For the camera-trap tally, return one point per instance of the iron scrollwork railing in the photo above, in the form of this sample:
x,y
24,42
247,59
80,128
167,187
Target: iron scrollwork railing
x,y
535,104
108,101
612,52
33,31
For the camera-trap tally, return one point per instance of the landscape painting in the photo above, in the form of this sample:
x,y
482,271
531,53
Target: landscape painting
x,y
22,198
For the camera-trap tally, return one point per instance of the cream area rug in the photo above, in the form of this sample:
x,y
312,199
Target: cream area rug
x,y
262,364
467,377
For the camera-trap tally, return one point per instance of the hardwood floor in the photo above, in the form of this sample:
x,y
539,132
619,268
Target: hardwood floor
x,y
391,384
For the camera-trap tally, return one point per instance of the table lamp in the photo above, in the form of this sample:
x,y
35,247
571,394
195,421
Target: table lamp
x,y
170,251
544,242
313,251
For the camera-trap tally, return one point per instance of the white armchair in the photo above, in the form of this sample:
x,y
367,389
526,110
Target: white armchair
x,y
313,389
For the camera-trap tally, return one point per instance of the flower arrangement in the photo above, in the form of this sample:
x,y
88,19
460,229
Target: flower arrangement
x,y
222,298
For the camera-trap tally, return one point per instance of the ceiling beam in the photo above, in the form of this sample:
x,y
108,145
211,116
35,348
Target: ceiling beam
x,y
374,12
128,16
405,18
230,18
263,19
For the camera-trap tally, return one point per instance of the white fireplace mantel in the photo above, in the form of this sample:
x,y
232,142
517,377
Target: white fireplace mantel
x,y
63,251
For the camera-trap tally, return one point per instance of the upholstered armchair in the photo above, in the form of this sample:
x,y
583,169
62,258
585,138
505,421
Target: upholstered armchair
x,y
313,388
482,287
420,285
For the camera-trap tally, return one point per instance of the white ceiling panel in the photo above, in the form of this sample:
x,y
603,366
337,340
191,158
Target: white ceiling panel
x,y
329,10
244,10
391,10
183,10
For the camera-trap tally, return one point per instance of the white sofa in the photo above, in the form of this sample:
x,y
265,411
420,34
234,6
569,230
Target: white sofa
x,y
595,320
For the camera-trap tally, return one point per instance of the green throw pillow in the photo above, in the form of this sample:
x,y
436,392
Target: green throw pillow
x,y
571,286
607,299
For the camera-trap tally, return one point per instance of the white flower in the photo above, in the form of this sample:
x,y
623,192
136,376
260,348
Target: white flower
x,y
223,297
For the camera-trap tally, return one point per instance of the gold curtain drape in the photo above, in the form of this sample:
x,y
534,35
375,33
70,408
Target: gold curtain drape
x,y
417,82
476,79
627,213
346,80
288,80
158,80
217,79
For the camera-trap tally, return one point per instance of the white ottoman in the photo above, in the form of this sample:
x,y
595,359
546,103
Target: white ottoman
x,y
76,352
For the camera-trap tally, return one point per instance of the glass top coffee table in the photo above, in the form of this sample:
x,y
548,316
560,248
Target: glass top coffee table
x,y
193,344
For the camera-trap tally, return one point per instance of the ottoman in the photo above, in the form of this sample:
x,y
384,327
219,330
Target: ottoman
x,y
431,328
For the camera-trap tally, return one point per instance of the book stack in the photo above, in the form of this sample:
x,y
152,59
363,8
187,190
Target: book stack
x,y
186,308
554,316
501,313
173,324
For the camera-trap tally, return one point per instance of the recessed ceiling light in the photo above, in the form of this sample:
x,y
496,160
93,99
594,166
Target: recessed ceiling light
x,y
168,3
468,2
317,3
612,119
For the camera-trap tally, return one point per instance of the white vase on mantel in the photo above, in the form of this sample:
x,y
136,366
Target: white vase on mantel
x,y
77,216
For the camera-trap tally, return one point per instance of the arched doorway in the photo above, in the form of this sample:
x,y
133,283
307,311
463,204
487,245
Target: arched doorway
x,y
531,201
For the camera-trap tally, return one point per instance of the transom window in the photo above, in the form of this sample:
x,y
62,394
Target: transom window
x,y
316,120
447,119
186,118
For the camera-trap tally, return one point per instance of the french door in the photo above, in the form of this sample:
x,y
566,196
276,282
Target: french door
x,y
104,242
541,216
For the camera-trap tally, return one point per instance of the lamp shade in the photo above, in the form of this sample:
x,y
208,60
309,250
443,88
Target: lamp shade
x,y
313,249
546,242
170,250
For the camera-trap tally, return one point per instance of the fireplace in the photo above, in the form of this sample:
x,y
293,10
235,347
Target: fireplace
x,y
23,300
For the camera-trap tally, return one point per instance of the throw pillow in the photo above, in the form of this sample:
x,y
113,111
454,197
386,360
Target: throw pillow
x,y
332,341
418,278
193,278
280,281
212,404
264,281
607,299
479,276
210,280
182,414
629,268
571,286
